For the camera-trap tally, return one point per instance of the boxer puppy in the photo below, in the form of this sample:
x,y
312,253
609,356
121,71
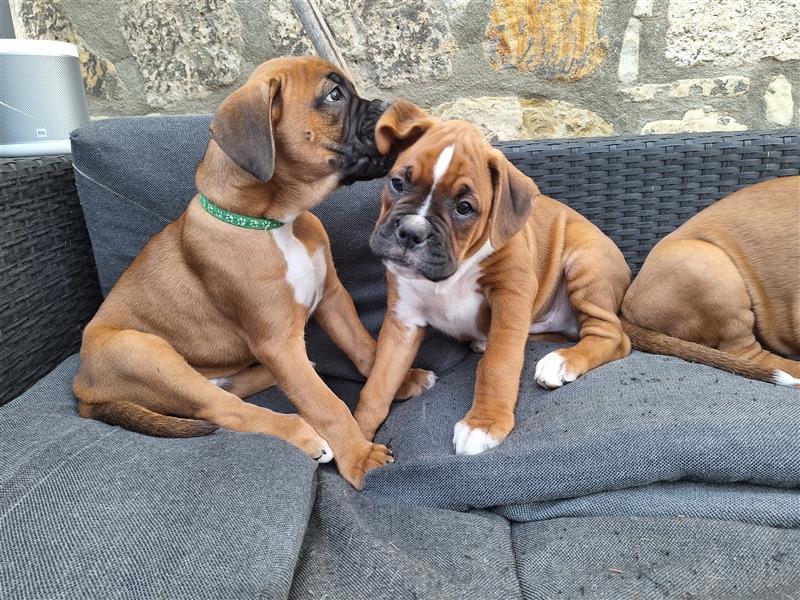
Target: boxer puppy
x,y
473,249
724,288
214,308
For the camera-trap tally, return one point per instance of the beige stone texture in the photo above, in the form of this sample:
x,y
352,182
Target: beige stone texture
x,y
500,118
778,101
184,48
48,20
628,68
392,42
643,8
725,86
732,32
509,118
559,39
417,46
697,120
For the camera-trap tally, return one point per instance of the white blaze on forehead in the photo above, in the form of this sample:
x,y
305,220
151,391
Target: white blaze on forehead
x,y
439,169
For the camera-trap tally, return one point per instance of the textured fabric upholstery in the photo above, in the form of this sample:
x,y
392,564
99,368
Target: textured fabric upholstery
x,y
646,478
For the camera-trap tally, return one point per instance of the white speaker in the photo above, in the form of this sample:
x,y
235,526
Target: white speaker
x,y
41,97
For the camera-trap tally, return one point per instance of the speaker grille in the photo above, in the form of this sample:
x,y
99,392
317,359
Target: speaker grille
x,y
42,98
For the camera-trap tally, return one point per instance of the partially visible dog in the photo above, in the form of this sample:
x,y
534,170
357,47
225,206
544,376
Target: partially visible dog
x,y
214,308
474,249
724,288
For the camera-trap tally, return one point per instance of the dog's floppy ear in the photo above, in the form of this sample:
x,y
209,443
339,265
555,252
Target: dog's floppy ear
x,y
242,127
512,200
401,125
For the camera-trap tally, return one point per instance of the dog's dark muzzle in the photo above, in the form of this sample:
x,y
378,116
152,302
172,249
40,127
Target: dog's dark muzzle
x,y
411,241
360,159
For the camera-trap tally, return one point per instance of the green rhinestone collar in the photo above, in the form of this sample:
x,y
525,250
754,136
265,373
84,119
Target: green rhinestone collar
x,y
236,219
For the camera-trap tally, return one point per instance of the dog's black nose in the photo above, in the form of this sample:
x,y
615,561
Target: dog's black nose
x,y
412,230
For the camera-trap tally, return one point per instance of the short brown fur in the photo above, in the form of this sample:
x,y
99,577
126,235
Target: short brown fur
x,y
724,288
205,299
538,242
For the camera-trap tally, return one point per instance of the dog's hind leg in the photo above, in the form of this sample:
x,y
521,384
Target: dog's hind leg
x,y
676,295
138,381
596,279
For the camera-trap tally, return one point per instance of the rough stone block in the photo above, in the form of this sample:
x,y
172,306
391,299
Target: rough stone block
x,y
628,70
386,43
697,120
559,39
184,48
732,32
778,101
511,118
48,20
725,86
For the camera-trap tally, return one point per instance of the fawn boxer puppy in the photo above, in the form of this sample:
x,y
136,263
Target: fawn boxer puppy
x,y
214,308
472,248
724,288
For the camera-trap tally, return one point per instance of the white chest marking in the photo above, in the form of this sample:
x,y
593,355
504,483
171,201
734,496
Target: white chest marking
x,y
439,169
450,306
559,317
304,272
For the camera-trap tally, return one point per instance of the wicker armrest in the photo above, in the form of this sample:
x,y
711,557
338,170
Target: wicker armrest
x,y
48,280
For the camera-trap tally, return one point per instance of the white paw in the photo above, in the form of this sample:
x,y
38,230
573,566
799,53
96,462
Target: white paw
x,y
783,378
478,346
551,371
430,381
327,454
471,441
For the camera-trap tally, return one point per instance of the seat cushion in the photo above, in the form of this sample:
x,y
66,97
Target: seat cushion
x,y
93,511
621,427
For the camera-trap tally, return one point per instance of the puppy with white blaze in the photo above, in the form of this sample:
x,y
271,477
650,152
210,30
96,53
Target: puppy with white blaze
x,y
472,248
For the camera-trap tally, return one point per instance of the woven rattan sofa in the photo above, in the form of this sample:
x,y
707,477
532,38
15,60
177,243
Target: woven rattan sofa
x,y
647,478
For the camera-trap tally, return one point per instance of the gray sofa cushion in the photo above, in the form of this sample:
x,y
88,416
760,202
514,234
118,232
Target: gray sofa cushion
x,y
92,511
136,174
646,477
589,447
644,558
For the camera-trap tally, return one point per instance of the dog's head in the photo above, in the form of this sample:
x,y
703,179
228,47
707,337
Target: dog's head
x,y
450,196
301,119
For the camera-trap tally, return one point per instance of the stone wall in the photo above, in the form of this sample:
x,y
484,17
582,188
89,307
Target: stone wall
x,y
518,68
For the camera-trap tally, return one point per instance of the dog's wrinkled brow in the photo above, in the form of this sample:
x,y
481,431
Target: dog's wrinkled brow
x,y
335,78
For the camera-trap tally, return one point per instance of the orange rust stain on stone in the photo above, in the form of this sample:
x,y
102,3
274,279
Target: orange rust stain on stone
x,y
558,38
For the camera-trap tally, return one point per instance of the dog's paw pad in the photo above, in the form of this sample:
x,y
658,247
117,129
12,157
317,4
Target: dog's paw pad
x,y
552,371
472,441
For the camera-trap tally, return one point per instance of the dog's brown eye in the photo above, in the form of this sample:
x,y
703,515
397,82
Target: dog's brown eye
x,y
334,95
397,184
464,208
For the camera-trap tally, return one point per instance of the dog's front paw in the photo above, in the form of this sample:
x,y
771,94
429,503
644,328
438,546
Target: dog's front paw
x,y
416,382
474,434
553,371
354,465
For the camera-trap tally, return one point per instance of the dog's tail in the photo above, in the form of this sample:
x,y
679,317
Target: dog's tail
x,y
654,342
143,420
